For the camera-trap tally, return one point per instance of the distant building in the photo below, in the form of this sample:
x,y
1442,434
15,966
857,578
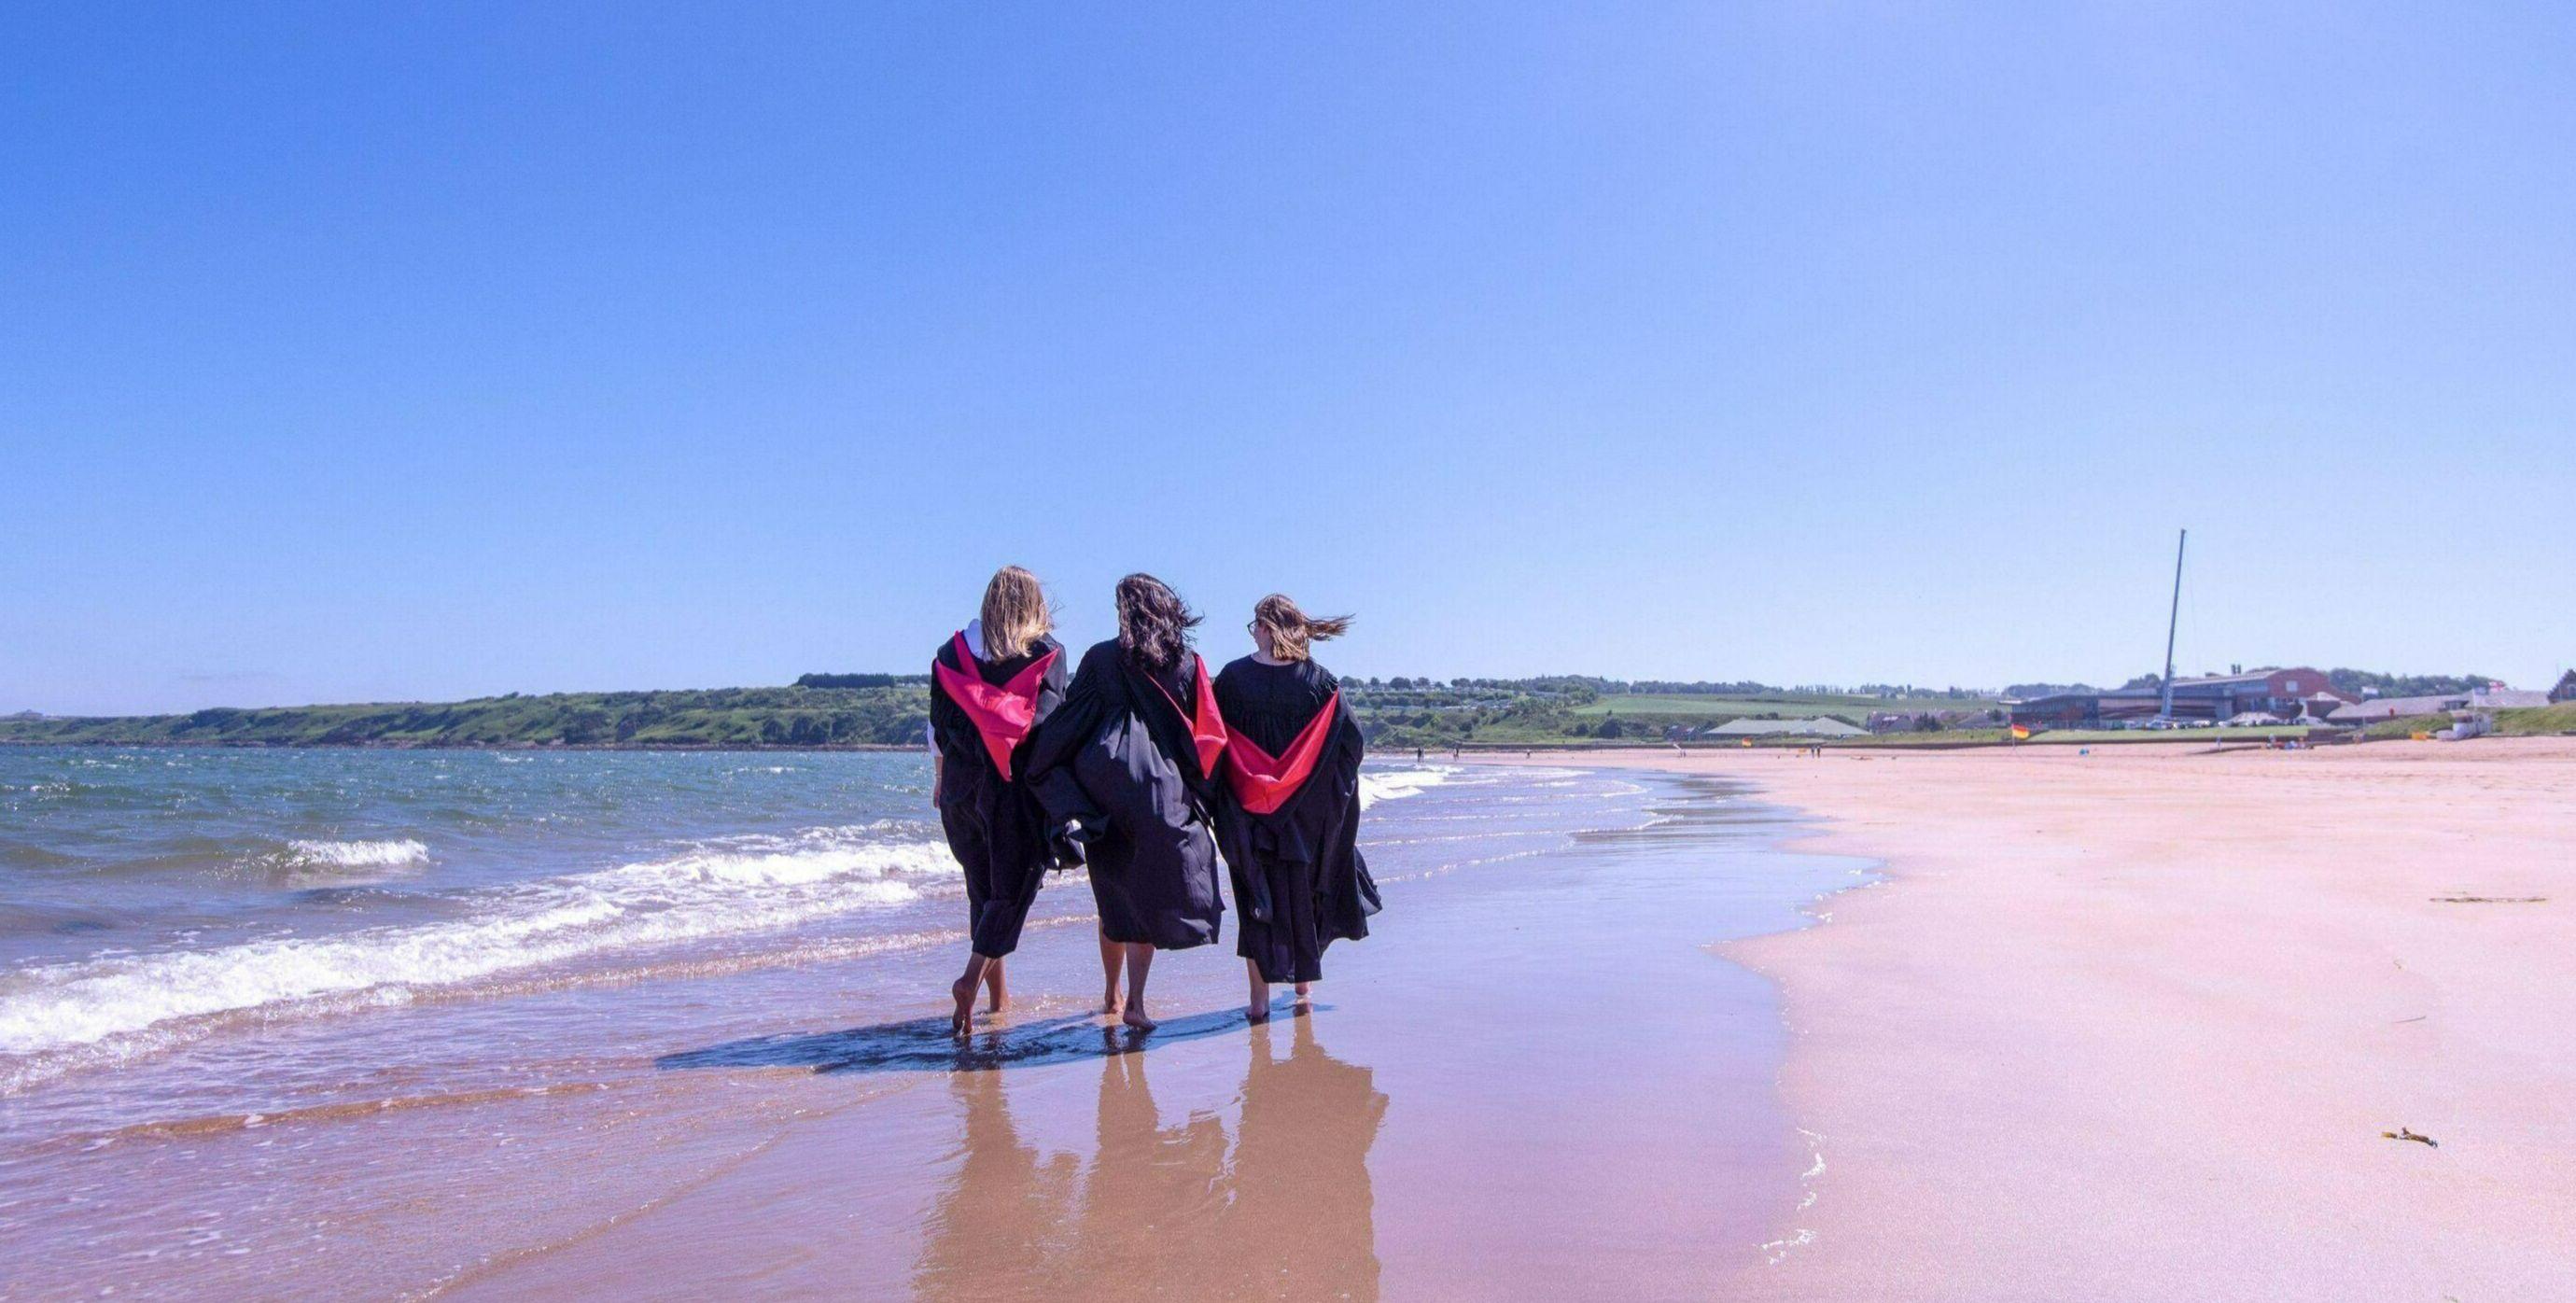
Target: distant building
x,y
2501,698
2476,699
2379,708
2060,710
1819,727
1907,721
2287,693
2566,689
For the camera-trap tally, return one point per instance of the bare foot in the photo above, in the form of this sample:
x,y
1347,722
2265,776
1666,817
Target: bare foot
x,y
1136,1018
963,1021
1113,1005
1304,992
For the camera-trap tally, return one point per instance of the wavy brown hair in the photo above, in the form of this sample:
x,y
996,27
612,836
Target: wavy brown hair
x,y
1015,614
1153,623
1291,630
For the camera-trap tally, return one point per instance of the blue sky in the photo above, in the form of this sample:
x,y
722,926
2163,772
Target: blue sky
x,y
368,352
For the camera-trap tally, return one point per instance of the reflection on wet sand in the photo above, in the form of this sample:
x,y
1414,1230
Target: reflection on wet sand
x,y
1281,1209
1304,1216
991,1222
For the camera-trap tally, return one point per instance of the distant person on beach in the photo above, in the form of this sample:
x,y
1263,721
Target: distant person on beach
x,y
1289,822
994,683
1131,759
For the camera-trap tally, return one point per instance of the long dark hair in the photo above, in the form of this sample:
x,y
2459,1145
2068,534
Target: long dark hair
x,y
1153,623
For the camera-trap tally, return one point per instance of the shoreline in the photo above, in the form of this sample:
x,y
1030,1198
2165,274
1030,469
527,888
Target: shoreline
x,y
2133,1024
1057,1160
2210,742
748,747
1464,1113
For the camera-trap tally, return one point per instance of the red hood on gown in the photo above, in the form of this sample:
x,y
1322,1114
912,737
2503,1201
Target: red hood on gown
x,y
1264,782
1003,714
1207,724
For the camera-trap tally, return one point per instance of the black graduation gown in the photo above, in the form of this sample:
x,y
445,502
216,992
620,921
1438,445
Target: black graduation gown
x,y
1118,759
996,828
1299,880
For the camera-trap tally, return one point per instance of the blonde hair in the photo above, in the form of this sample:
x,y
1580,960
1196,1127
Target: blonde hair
x,y
1015,614
1292,629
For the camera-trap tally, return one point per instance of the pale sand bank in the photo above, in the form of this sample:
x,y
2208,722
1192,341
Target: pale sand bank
x,y
2130,1024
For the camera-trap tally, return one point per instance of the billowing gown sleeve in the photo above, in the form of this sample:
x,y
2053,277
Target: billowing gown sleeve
x,y
1087,705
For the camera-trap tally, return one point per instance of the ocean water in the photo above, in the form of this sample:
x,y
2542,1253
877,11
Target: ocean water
x,y
156,901
268,1014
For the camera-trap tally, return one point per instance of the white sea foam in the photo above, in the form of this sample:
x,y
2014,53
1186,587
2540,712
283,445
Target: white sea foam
x,y
388,854
1395,784
733,886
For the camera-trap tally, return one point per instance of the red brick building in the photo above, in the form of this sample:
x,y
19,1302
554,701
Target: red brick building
x,y
2288,693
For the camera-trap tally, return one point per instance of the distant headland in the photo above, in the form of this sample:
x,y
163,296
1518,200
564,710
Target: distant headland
x,y
874,710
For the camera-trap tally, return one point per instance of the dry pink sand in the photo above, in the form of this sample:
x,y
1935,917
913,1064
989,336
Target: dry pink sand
x,y
2129,1025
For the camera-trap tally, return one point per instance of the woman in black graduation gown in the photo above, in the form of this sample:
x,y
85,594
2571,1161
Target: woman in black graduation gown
x,y
991,686
1131,758
1290,821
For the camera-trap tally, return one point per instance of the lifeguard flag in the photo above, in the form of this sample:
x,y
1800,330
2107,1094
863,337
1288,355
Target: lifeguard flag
x,y
2021,732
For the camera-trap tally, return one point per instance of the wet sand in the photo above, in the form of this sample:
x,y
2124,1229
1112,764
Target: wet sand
x,y
2131,1024
1537,1080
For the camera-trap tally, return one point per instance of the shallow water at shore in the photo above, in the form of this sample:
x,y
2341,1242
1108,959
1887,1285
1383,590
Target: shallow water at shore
x,y
688,1010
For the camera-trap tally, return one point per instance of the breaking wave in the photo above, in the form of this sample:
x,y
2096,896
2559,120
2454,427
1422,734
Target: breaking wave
x,y
1395,784
363,855
718,888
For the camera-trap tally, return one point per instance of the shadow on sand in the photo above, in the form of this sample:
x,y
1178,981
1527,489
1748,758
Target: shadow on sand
x,y
924,1045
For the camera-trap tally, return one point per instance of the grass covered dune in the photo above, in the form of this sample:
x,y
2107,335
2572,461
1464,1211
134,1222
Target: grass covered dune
x,y
716,717
889,710
859,710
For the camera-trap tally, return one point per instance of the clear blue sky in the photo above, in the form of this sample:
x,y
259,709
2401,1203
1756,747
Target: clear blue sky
x,y
373,352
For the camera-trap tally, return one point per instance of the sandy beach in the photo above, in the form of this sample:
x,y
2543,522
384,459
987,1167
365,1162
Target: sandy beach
x,y
2132,1024
2120,1025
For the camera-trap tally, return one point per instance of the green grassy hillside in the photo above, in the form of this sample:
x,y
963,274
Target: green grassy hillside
x,y
713,717
2405,726
1694,708
892,711
2538,721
